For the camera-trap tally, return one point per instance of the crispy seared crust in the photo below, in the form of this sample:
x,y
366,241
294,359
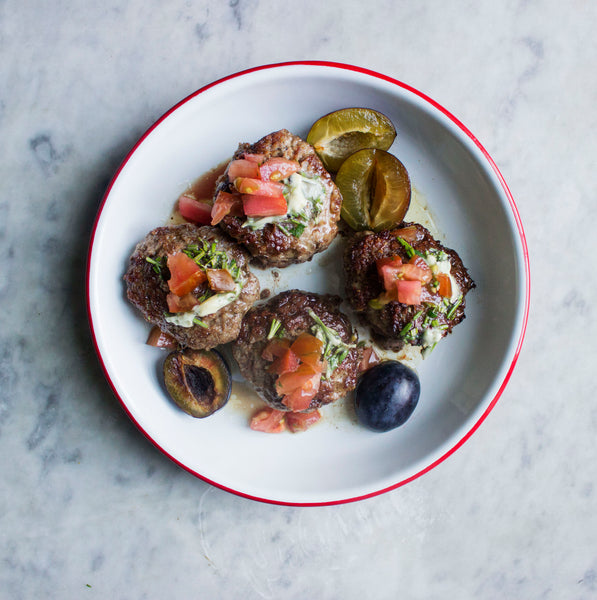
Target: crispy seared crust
x,y
290,308
148,291
363,283
269,246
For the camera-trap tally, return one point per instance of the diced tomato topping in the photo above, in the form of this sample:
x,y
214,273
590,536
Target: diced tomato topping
x,y
275,348
288,362
309,349
369,359
298,388
392,269
177,304
409,292
416,273
303,378
195,210
392,261
242,168
445,285
226,204
315,361
409,234
161,339
424,275
264,206
278,168
299,399
268,420
257,158
185,274
306,343
258,187
389,270
297,421
220,280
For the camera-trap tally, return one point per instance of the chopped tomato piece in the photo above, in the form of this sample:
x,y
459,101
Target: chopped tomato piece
x,y
288,362
391,261
264,206
307,344
242,168
424,273
226,204
177,304
309,349
409,292
389,270
275,348
297,421
161,339
299,399
409,234
414,272
299,388
220,280
278,168
258,187
195,210
315,362
369,359
257,158
185,274
268,420
445,285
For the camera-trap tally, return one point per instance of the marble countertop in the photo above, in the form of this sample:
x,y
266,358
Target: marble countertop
x,y
89,508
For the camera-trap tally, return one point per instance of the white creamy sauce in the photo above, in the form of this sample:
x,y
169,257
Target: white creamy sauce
x,y
431,336
209,307
445,267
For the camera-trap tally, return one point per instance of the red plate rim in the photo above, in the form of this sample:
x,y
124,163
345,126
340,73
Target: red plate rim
x,y
513,207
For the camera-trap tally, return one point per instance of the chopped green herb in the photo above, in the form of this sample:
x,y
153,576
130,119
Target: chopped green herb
x,y
335,350
428,350
297,229
199,322
157,264
283,229
454,306
273,329
410,251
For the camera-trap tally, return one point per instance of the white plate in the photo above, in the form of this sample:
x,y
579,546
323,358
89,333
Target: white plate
x,y
335,461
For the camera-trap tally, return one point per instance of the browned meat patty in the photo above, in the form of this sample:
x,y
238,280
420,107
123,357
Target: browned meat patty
x,y
147,283
275,245
291,309
393,324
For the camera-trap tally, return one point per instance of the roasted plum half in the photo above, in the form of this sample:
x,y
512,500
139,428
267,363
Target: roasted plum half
x,y
198,381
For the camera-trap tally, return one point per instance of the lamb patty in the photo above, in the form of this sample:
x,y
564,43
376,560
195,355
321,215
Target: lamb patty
x,y
291,309
147,284
392,323
279,243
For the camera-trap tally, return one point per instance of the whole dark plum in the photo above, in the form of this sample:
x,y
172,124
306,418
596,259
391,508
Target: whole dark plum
x,y
387,395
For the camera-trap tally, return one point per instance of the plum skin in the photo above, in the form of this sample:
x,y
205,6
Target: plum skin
x,y
386,396
199,381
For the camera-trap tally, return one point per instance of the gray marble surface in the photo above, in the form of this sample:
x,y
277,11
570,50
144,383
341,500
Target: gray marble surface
x,y
88,507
